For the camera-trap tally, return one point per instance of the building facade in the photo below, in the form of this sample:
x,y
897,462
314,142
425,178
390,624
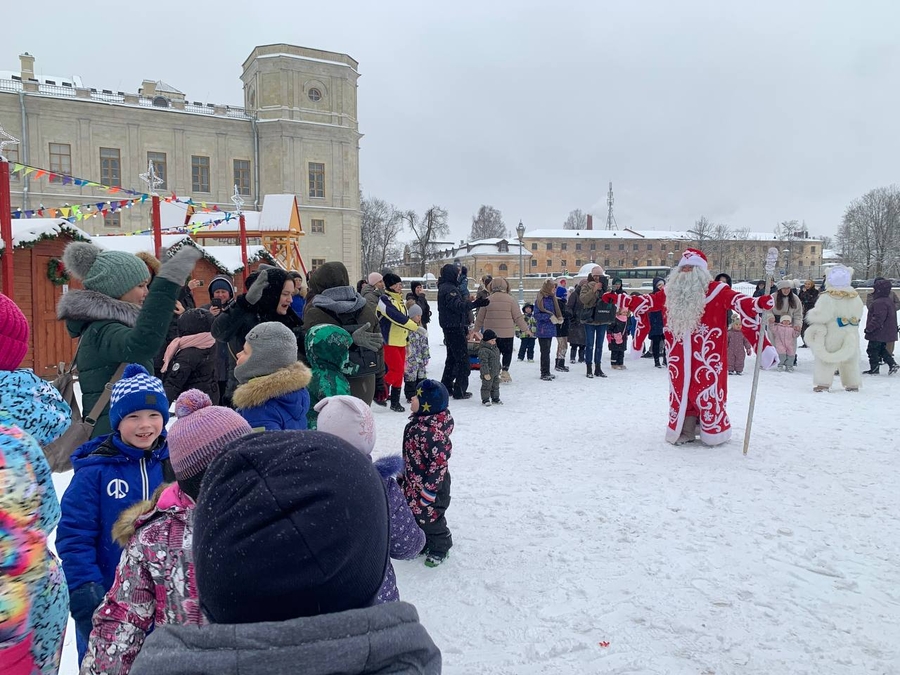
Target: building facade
x,y
297,133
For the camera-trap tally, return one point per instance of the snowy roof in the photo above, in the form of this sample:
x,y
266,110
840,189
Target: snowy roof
x,y
277,212
225,258
251,221
27,231
830,254
58,80
162,87
484,247
580,234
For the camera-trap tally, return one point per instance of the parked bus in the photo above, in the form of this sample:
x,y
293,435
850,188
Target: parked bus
x,y
638,277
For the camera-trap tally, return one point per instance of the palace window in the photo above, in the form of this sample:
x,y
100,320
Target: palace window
x,y
110,166
199,173
242,176
316,180
158,160
60,160
317,226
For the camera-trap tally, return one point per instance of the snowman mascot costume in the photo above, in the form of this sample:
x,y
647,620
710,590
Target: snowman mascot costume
x,y
832,331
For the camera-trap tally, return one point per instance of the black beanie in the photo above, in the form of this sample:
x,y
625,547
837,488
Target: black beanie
x,y
390,279
488,335
289,524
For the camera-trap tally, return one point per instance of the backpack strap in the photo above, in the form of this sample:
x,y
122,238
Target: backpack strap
x,y
97,410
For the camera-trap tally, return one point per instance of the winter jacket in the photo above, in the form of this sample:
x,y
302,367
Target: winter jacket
x,y
421,301
530,322
276,402
657,327
881,324
224,363
417,356
572,312
808,297
407,538
112,332
154,584
489,358
545,327
193,367
394,321
371,295
795,312
328,351
110,476
426,451
374,640
594,311
617,335
32,414
738,344
503,314
453,308
298,304
784,338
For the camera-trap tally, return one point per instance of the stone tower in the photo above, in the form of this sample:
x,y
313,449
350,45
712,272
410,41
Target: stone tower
x,y
304,101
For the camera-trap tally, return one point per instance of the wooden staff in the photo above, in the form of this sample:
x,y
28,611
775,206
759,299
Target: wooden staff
x,y
771,262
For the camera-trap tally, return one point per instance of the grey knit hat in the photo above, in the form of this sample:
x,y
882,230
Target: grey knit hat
x,y
414,310
112,273
273,346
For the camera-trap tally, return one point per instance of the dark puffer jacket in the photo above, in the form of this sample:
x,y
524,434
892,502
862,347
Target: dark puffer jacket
x,y
193,367
881,324
453,309
223,362
657,327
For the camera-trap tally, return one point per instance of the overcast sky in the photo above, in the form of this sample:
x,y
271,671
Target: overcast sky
x,y
748,113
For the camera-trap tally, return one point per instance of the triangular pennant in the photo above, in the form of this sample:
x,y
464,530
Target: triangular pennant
x,y
16,168
65,211
41,172
29,170
66,180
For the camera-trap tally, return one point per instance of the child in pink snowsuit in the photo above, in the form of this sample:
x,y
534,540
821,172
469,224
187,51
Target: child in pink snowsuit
x,y
738,346
785,343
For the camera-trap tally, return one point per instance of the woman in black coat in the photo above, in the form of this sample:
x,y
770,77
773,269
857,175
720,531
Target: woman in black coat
x,y
417,295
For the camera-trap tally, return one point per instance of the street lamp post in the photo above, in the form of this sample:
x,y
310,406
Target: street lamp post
x,y
520,230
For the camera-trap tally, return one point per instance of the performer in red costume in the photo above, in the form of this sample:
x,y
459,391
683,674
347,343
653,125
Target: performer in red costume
x,y
694,310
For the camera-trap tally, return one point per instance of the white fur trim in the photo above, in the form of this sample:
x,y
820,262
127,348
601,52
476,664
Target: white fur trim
x,y
689,258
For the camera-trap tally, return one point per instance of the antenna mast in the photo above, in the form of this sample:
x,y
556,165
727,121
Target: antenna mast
x,y
611,223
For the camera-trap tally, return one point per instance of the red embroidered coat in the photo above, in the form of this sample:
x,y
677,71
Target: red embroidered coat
x,y
698,378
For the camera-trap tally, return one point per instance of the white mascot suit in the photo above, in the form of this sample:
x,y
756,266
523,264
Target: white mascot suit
x,y
833,331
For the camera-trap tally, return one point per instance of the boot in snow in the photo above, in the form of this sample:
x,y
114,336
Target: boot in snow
x,y
395,400
688,431
598,371
505,377
590,371
434,559
561,366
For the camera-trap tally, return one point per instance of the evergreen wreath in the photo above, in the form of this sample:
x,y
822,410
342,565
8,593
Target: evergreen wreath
x,y
56,272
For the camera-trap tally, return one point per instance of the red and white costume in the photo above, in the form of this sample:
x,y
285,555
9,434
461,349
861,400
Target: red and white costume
x,y
698,379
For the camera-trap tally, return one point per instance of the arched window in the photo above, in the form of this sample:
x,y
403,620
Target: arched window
x,y
314,95
503,267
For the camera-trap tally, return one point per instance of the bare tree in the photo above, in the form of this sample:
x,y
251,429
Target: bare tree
x,y
869,235
426,233
487,224
702,232
718,246
827,242
577,220
381,223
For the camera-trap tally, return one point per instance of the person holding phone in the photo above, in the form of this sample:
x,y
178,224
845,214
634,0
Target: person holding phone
x,y
221,294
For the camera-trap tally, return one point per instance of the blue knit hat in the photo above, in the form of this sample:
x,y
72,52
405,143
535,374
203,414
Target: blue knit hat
x,y
433,397
137,390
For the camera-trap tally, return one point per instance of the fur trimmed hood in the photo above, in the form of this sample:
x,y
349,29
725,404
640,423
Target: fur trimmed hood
x,y
257,391
86,306
134,516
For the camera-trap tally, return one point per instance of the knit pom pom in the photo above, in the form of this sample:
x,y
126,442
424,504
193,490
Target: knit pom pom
x,y
133,369
78,258
190,402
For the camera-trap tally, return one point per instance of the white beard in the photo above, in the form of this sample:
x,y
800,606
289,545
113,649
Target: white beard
x,y
685,300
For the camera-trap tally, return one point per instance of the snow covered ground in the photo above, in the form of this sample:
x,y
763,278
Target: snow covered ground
x,y
586,544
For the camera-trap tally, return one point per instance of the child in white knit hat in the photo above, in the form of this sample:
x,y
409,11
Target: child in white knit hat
x,y
351,419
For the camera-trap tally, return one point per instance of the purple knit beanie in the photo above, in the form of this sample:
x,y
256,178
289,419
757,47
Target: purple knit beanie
x,y
13,334
200,433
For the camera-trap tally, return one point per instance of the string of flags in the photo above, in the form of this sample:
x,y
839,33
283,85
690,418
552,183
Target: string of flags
x,y
64,179
78,212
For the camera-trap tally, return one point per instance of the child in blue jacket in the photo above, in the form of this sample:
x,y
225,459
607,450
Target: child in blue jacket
x,y
272,394
112,473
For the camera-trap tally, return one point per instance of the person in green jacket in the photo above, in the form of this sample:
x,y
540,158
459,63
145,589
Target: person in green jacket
x,y
328,351
117,318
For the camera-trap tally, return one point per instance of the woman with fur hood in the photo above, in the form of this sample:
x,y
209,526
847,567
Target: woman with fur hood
x,y
117,318
348,418
34,601
272,394
269,297
332,300
502,316
155,582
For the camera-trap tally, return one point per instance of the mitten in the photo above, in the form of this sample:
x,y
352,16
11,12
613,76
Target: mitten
x,y
255,292
421,330
426,498
180,265
487,377
609,298
363,337
84,600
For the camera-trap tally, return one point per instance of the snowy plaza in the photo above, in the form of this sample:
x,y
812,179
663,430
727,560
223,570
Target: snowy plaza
x,y
584,543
